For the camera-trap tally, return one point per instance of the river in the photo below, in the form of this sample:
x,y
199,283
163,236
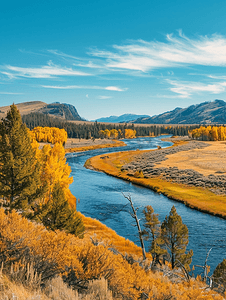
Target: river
x,y
100,197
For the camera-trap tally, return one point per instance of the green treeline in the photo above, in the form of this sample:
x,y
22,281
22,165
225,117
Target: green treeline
x,y
87,131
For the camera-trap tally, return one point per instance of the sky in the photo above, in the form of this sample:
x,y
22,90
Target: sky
x,y
113,57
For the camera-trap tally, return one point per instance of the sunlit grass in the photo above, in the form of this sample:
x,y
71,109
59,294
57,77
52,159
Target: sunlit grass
x,y
195,197
94,147
102,233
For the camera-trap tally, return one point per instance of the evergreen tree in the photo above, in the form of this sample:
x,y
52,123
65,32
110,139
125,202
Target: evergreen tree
x,y
219,274
57,214
152,233
174,235
19,169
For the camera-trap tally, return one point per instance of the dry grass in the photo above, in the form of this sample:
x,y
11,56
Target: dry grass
x,y
55,289
194,197
205,161
24,108
76,145
107,236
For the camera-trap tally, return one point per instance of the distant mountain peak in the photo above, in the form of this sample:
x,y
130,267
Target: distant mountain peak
x,y
121,119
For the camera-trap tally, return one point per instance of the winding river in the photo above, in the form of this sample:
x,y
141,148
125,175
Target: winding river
x,y
101,197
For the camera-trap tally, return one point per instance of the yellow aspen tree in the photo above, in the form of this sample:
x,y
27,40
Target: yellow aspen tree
x,y
54,168
114,133
106,133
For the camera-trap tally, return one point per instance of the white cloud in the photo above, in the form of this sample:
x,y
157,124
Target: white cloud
x,y
115,88
104,97
87,96
74,87
176,51
48,71
186,89
217,77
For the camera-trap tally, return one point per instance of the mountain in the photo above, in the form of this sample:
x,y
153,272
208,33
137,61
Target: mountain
x,y
56,109
204,113
121,119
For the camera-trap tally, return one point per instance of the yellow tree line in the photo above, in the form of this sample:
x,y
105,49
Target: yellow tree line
x,y
115,134
209,133
51,135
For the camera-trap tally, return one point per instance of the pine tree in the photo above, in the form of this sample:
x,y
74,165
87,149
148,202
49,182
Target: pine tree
x,y
174,235
57,214
219,274
152,233
19,169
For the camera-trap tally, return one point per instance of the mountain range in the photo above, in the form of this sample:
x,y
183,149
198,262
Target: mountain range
x,y
204,113
121,119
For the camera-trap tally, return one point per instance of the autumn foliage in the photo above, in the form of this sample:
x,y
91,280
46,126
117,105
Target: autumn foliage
x,y
78,261
115,134
51,135
209,133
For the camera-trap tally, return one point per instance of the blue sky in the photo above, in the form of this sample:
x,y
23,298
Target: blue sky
x,y
113,57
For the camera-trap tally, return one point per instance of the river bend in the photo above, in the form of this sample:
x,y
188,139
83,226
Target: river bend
x,y
101,198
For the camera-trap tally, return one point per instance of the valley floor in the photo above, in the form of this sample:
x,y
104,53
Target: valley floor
x,y
79,145
191,172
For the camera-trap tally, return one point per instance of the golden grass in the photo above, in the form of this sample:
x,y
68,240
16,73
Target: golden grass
x,y
205,161
198,198
108,236
93,147
54,289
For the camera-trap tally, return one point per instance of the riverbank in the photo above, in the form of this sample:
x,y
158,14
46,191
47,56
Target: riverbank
x,y
196,190
79,145
103,235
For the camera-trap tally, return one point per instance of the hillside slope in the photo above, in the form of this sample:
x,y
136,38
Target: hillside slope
x,y
59,110
204,113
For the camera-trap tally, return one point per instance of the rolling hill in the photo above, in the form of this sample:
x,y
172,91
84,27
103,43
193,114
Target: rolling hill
x,y
63,111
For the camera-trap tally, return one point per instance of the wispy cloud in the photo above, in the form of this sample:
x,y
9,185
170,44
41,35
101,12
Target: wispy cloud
x,y
63,55
104,97
223,77
186,89
48,71
115,88
176,51
88,87
79,61
10,93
